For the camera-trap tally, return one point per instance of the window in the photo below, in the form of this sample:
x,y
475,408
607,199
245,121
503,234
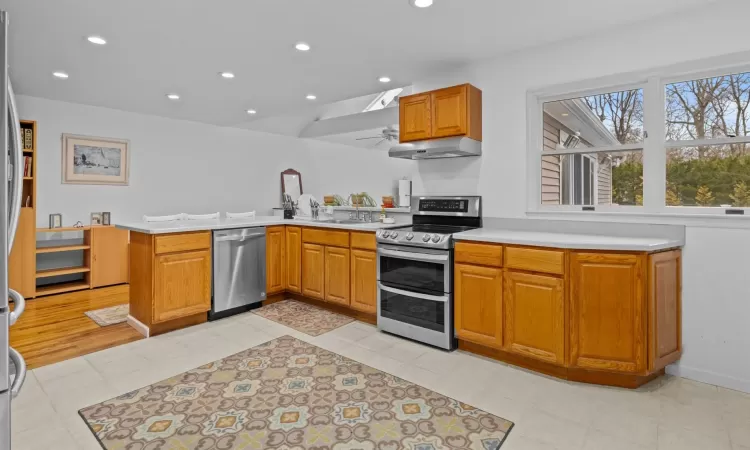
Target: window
x,y
593,146
708,155
588,149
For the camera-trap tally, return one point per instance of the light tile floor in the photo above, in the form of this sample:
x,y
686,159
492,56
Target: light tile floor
x,y
668,414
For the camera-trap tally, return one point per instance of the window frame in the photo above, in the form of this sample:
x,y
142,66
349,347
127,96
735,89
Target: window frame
x,y
654,146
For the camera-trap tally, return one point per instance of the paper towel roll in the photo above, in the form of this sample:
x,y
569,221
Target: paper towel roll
x,y
404,193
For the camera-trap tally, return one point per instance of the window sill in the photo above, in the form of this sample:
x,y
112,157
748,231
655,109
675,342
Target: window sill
x,y
706,220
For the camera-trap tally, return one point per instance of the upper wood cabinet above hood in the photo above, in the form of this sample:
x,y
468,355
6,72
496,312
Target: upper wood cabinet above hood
x,y
449,112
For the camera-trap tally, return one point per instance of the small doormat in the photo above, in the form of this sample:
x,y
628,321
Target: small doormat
x,y
289,394
109,316
304,318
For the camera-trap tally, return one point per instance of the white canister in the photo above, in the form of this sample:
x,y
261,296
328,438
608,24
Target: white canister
x,y
404,193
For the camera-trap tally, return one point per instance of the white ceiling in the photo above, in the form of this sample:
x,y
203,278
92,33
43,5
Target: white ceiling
x,y
160,46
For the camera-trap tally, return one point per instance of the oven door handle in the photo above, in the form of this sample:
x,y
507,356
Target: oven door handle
x,y
432,298
427,257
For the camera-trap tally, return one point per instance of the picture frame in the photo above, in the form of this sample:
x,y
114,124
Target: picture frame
x,y
106,218
55,220
96,218
95,160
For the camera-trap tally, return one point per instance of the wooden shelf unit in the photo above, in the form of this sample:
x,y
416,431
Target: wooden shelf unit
x,y
22,260
62,248
46,273
62,287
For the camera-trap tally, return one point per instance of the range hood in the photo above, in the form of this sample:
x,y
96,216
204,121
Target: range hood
x,y
455,147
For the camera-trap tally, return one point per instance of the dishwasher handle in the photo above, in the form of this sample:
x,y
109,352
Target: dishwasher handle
x,y
239,238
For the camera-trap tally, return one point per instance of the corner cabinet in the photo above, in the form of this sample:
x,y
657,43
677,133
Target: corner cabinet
x,y
607,312
448,112
595,316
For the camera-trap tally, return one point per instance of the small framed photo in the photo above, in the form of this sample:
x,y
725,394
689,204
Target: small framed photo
x,y
106,218
55,220
96,218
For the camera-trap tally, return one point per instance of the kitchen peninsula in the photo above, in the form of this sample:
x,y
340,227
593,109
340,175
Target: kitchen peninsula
x,y
321,261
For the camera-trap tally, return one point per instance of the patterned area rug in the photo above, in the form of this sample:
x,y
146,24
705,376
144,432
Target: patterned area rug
x,y
287,394
109,316
304,318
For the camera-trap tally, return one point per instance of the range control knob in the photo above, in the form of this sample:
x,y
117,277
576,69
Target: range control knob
x,y
386,233
426,238
379,233
436,238
394,235
409,236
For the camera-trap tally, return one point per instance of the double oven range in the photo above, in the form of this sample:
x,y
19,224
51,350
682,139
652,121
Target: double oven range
x,y
415,269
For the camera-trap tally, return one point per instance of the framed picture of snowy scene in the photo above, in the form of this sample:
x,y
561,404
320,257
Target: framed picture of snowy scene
x,y
95,160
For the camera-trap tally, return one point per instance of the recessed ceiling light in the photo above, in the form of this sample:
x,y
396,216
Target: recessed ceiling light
x,y
311,97
60,74
227,74
384,80
565,114
173,96
421,3
252,111
98,40
302,46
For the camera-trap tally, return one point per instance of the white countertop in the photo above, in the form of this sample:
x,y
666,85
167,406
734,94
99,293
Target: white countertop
x,y
568,240
184,226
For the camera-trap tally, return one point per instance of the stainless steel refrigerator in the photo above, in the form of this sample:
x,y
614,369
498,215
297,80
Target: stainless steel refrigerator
x,y
12,365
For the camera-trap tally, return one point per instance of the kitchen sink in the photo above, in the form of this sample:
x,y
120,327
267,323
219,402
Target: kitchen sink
x,y
350,222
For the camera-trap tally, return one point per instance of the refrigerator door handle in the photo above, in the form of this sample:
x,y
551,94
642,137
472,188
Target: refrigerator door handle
x,y
20,364
20,303
15,166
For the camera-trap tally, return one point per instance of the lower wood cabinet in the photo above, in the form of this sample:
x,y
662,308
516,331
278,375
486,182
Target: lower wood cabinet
x,y
182,285
313,271
364,281
294,259
534,316
275,260
337,275
22,258
608,313
109,256
478,302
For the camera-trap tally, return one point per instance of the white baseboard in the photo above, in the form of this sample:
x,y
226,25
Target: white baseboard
x,y
705,376
138,325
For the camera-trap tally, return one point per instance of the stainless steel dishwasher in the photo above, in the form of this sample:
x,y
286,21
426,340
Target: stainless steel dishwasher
x,y
239,275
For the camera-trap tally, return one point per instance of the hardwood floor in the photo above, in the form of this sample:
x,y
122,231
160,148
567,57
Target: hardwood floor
x,y
55,328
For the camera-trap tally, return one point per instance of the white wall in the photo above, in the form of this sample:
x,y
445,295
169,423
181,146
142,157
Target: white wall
x,y
716,291
179,166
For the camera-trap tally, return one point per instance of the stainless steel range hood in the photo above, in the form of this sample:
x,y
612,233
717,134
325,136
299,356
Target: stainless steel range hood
x,y
456,147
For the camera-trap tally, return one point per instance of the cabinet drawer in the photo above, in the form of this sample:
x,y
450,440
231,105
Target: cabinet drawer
x,y
535,260
364,241
173,243
483,254
325,237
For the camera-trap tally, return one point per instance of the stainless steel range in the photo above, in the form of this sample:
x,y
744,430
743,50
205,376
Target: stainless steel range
x,y
415,269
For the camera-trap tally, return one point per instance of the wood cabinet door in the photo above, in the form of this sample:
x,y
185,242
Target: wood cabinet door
x,y
534,316
294,259
415,122
607,312
337,275
313,270
275,257
22,259
109,256
364,280
449,112
478,298
665,303
182,285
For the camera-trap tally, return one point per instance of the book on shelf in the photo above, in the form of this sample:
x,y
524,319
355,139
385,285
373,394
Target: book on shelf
x,y
28,139
27,162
